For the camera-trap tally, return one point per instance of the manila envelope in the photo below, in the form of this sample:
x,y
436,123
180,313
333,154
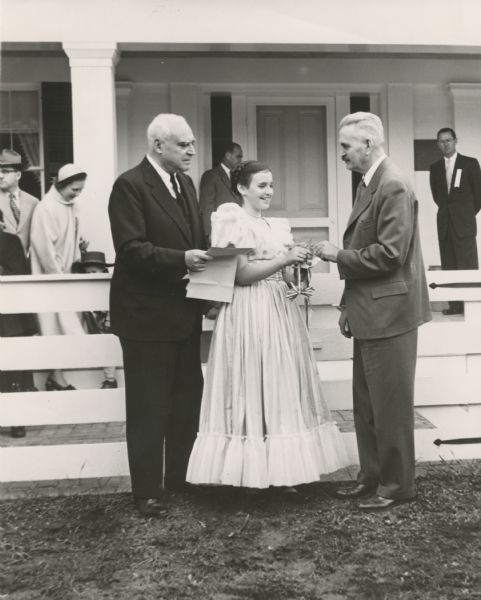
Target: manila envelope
x,y
216,282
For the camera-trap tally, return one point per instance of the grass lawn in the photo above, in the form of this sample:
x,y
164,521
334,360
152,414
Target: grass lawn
x,y
229,544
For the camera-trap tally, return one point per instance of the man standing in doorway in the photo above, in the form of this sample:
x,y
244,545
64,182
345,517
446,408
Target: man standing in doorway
x,y
384,302
215,184
158,237
456,188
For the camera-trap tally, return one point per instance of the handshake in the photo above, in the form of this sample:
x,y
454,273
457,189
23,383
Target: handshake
x,y
326,251
303,253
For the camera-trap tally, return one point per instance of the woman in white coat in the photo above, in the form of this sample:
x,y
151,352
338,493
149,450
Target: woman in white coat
x,y
55,245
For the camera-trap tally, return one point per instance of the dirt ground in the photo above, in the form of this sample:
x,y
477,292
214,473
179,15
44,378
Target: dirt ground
x,y
231,545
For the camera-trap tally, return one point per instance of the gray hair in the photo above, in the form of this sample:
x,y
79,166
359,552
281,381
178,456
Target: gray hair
x,y
368,125
161,127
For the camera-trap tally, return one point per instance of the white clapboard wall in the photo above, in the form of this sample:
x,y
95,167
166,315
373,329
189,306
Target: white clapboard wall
x,y
449,367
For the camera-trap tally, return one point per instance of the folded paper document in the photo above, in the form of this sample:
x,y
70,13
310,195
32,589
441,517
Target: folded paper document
x,y
216,282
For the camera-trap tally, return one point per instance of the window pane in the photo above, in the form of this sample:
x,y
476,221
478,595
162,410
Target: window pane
x,y
24,110
27,145
4,111
5,140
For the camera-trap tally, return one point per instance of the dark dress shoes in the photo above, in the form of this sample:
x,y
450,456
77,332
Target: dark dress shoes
x,y
150,507
452,311
358,491
52,386
109,384
380,503
18,431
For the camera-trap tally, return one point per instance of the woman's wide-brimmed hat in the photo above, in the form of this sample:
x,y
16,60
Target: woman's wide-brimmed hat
x,y
89,259
70,172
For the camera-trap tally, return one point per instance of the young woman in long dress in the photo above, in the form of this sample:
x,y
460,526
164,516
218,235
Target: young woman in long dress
x,y
263,419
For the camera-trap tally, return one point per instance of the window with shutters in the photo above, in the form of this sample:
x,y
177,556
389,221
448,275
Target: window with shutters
x,y
20,130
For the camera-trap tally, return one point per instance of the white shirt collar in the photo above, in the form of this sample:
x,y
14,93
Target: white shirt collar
x,y
451,159
369,175
164,175
226,169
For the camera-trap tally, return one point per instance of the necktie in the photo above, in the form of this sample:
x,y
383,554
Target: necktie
x,y
361,188
14,208
180,198
449,173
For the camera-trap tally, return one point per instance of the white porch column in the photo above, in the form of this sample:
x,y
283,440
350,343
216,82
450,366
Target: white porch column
x,y
92,68
467,124
400,127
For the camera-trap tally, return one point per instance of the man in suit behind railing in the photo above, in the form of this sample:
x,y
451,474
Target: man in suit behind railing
x,y
16,205
456,188
14,262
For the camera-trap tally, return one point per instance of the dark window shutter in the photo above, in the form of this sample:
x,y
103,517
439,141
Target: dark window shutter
x,y
57,127
358,103
221,123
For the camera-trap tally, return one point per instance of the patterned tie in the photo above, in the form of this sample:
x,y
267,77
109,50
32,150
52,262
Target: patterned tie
x,y
180,198
14,208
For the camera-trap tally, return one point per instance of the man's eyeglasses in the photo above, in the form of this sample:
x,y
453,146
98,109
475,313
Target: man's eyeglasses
x,y
7,171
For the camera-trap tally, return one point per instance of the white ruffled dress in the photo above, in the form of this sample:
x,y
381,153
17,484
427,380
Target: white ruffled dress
x,y
263,419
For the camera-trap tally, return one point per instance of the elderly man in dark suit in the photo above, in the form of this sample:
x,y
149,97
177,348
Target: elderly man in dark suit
x,y
384,302
456,188
215,184
158,238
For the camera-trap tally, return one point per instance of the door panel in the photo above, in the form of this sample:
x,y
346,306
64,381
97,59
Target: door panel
x,y
292,140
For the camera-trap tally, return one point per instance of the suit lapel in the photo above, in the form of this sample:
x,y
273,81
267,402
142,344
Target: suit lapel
x,y
8,215
24,210
197,228
165,200
224,178
458,164
365,199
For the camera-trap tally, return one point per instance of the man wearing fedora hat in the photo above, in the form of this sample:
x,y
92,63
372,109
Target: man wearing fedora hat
x,y
97,321
16,205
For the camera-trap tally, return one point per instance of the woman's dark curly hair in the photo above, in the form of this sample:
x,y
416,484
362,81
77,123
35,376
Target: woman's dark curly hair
x,y
243,173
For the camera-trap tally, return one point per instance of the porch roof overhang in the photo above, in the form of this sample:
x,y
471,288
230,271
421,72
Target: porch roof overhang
x,y
259,26
255,50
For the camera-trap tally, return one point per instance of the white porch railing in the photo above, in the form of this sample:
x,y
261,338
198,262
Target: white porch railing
x,y
449,368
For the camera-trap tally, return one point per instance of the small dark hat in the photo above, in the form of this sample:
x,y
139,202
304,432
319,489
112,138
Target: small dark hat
x,y
10,159
89,259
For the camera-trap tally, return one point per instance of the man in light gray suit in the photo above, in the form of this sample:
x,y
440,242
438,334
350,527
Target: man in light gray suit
x,y
384,302
16,205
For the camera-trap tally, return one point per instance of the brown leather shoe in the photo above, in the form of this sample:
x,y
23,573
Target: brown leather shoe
x,y
150,507
380,503
359,490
